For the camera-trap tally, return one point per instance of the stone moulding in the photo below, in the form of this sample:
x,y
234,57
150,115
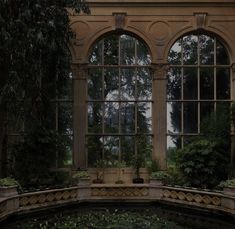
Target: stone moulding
x,y
36,201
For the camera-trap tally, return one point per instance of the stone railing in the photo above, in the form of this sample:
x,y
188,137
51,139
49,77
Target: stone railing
x,y
222,201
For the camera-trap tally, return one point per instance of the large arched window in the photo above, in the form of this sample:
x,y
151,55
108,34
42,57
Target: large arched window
x,y
119,100
198,82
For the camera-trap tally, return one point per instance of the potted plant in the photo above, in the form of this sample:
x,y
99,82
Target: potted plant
x,y
159,178
8,187
120,165
100,167
137,163
228,187
81,178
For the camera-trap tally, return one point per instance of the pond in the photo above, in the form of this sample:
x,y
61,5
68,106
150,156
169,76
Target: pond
x,y
117,216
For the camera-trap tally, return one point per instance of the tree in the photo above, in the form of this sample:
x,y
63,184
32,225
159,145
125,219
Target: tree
x,y
34,59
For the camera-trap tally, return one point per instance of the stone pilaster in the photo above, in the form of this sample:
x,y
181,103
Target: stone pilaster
x,y
79,72
159,72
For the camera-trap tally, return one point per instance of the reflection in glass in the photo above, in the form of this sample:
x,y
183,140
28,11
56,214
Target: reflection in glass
x,y
95,111
221,54
127,50
174,56
111,84
143,57
173,143
64,157
190,83
127,87
174,83
190,110
207,83
111,44
111,117
94,83
144,146
144,117
94,149
222,83
96,54
65,124
173,117
127,149
206,46
190,49
144,84
127,113
111,149
206,108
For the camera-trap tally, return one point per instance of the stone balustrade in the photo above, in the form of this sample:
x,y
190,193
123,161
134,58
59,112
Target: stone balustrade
x,y
36,201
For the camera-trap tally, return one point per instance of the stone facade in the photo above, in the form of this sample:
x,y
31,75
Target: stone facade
x,y
158,23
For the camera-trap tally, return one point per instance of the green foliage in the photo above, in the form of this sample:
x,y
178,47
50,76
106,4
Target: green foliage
x,y
203,163
7,181
161,175
227,183
152,166
99,219
36,154
80,174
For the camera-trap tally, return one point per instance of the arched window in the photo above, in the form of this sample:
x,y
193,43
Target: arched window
x,y
198,82
119,100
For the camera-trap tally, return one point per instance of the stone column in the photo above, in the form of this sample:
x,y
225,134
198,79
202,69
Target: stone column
x,y
79,115
233,129
159,72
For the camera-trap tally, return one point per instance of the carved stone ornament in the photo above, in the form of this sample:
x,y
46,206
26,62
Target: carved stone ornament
x,y
159,71
200,20
79,71
119,20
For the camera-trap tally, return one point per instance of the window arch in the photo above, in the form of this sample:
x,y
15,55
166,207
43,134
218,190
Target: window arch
x,y
119,99
198,81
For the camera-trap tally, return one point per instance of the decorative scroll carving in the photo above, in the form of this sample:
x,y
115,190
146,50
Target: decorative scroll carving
x,y
200,20
119,20
159,71
120,191
51,197
198,198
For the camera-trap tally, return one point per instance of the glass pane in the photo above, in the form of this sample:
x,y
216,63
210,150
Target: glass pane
x,y
65,88
64,156
173,143
127,149
111,45
94,150
143,57
144,84
95,57
127,87
221,54
95,84
111,84
206,83
65,119
95,111
127,112
174,117
190,117
127,50
206,45
144,146
222,83
111,150
174,56
206,108
144,117
190,83
190,49
174,83
111,119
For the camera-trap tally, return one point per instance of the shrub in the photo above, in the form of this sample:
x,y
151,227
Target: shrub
x,y
203,163
7,182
